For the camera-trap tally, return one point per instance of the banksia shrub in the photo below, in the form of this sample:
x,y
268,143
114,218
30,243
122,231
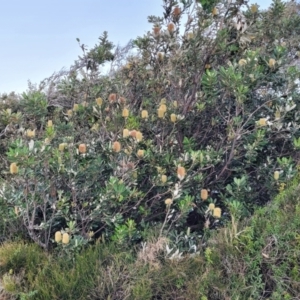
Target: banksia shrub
x,y
82,148
204,194
58,236
144,114
180,172
116,146
65,238
14,168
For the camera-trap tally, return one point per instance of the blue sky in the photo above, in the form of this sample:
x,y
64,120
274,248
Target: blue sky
x,y
38,37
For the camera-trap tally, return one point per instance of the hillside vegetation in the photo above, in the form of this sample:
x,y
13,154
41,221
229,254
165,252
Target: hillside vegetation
x,y
175,176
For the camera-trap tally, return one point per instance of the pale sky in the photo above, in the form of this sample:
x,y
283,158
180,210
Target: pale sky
x,y
38,37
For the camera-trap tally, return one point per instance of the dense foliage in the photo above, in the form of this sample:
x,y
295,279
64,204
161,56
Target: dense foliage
x,y
197,122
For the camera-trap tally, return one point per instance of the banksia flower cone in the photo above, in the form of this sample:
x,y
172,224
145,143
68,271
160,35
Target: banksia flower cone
x,y
180,172
171,27
204,194
262,122
164,178
75,107
82,148
13,168
99,101
139,136
156,30
211,206
112,98
125,133
61,147
160,113
30,133
140,153
217,212
214,11
176,11
65,238
116,147
168,201
173,118
125,113
50,123
272,62
276,175
58,236
144,114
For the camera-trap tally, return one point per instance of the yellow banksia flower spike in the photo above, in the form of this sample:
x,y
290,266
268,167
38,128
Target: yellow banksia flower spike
x,y
65,238
254,8
62,146
13,168
242,62
50,123
204,194
144,114
116,146
139,136
272,62
211,206
58,236
133,133
125,133
156,30
262,122
276,175
173,118
217,212
140,153
180,172
160,113
69,112
163,107
277,115
75,107
30,133
16,210
99,101
168,201
125,113
175,103
214,11
164,178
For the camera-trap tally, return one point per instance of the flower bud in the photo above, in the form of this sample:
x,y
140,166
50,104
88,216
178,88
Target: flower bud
x,y
204,194
125,133
82,148
65,238
14,168
116,147
144,114
58,236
